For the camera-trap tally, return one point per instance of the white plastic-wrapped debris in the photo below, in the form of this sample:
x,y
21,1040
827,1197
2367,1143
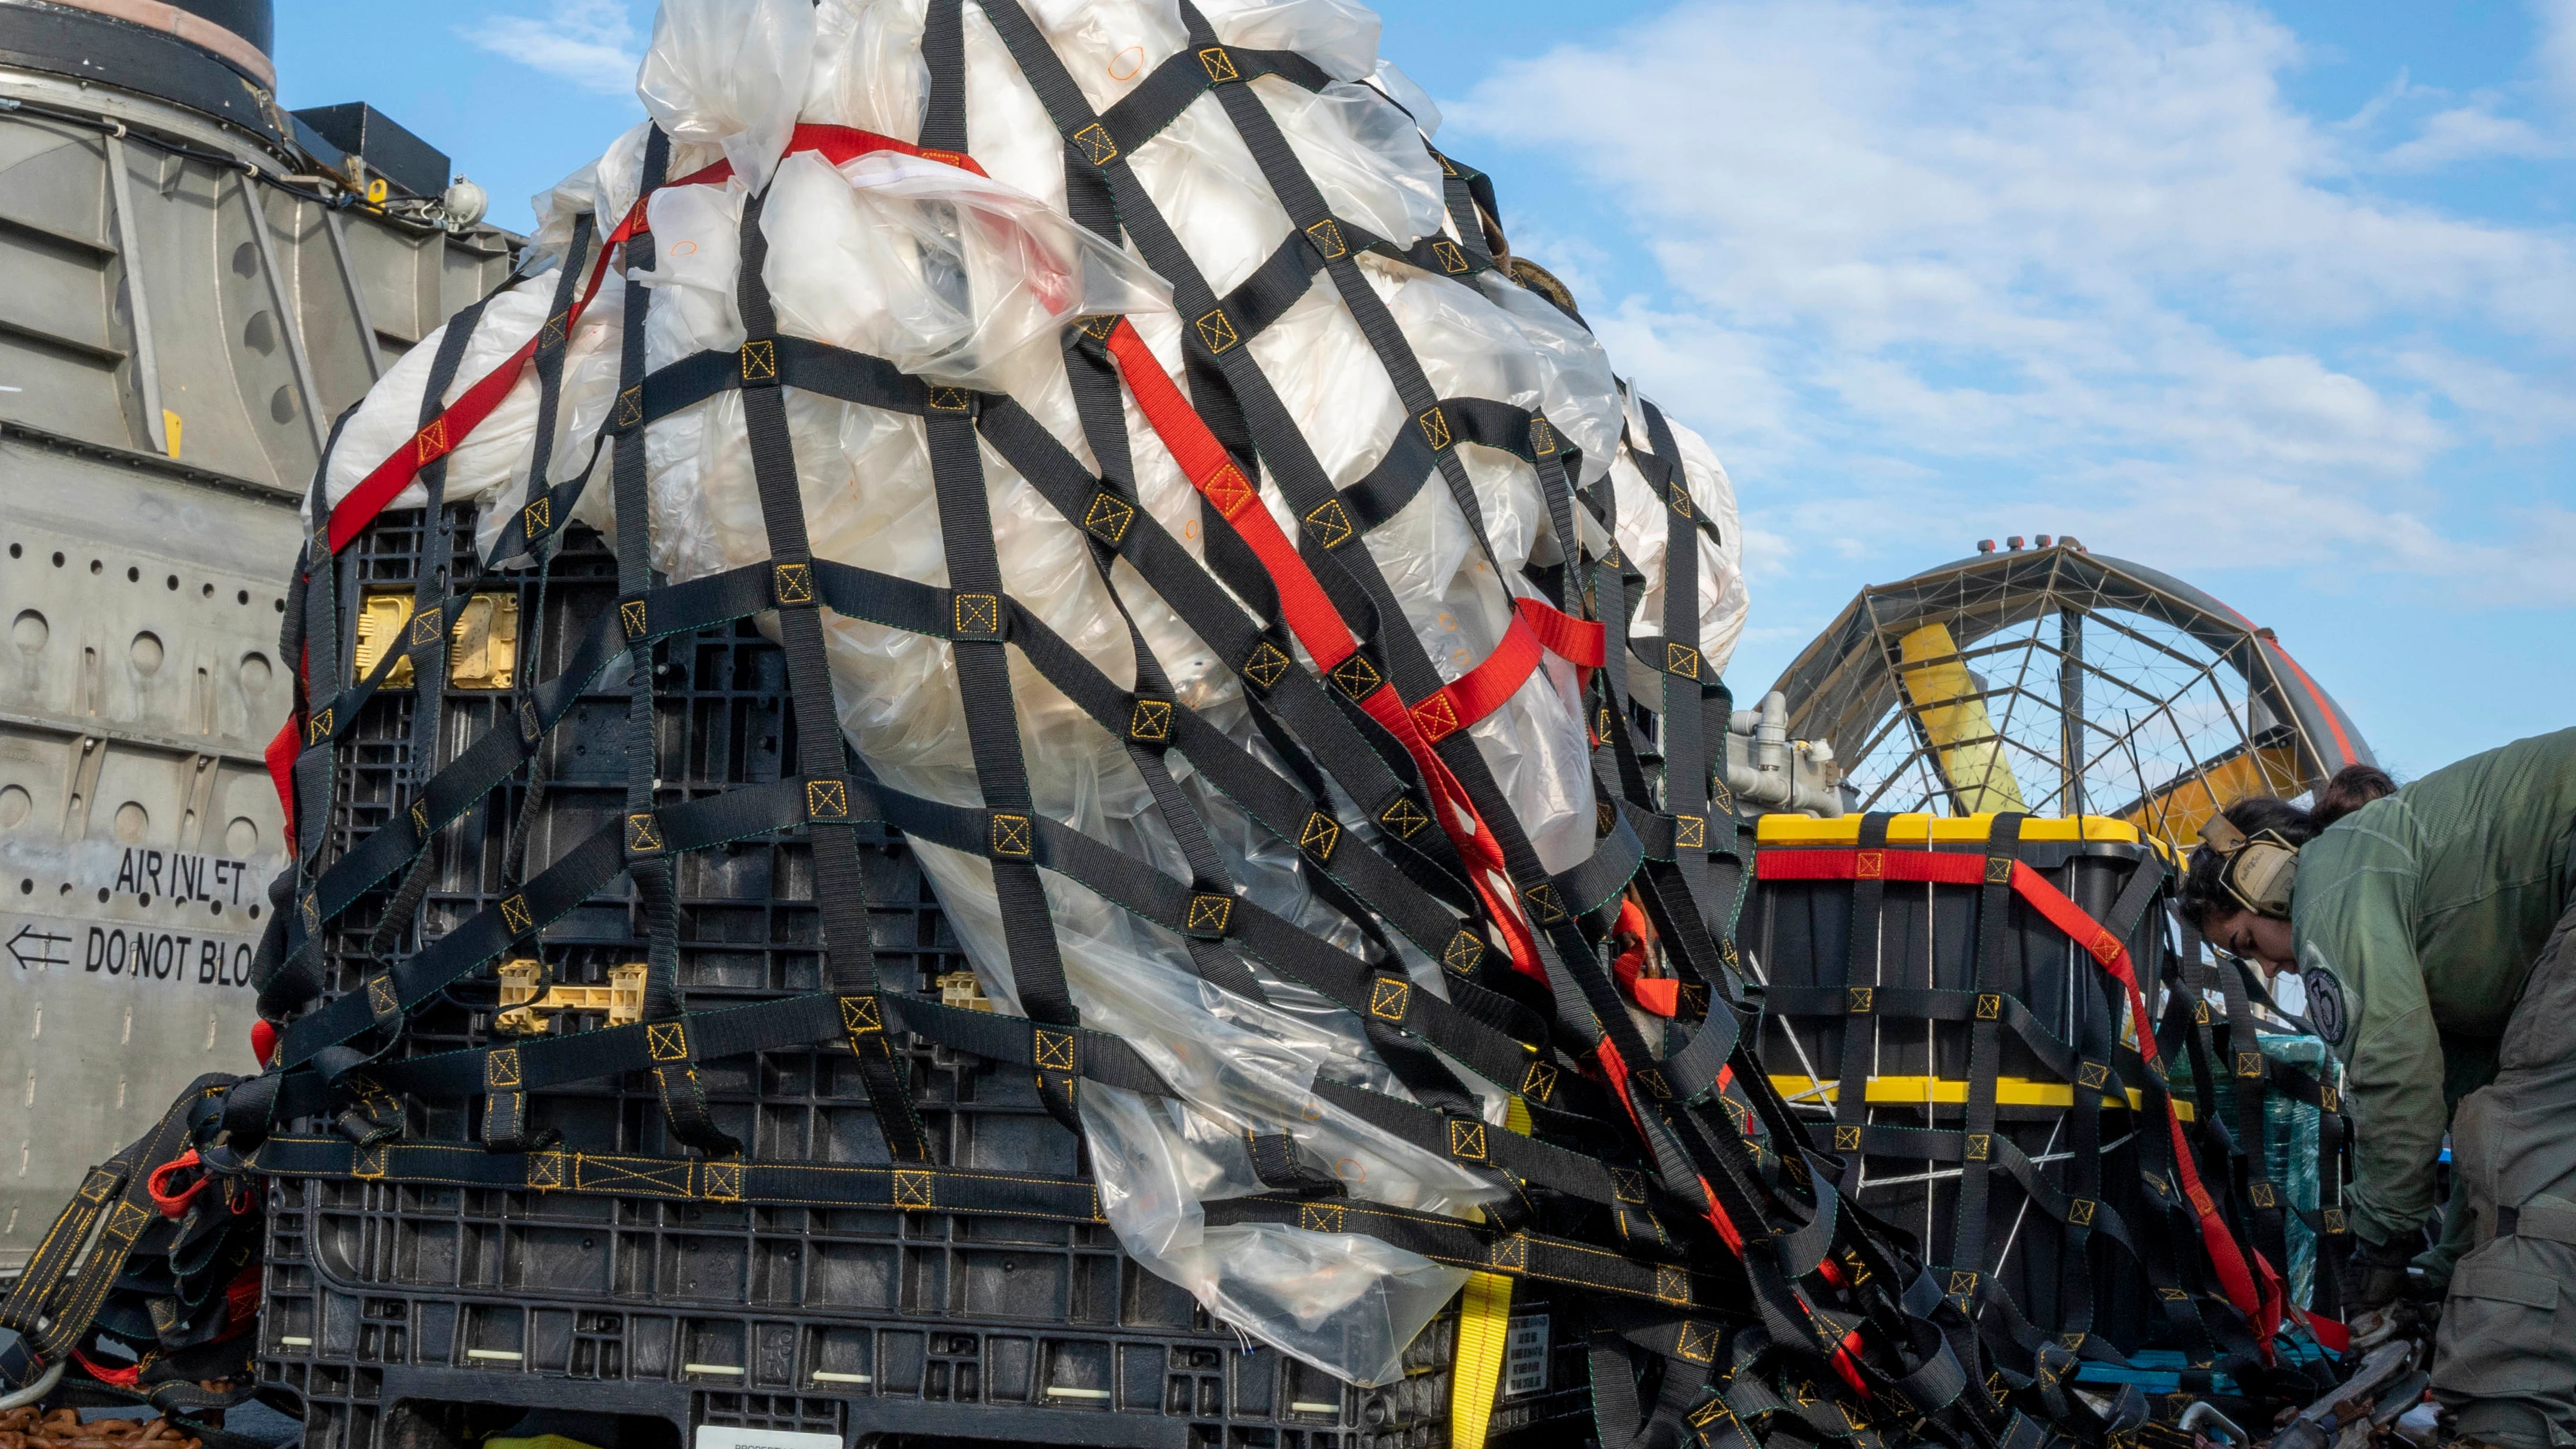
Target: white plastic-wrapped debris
x,y
971,280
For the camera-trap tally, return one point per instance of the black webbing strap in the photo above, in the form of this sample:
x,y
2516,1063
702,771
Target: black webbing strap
x,y
423,640
1328,529
1941,1144
2175,1279
2333,1234
535,522
1470,198
1409,462
2186,1036
1865,942
82,1254
319,667
1484,1249
1613,713
2083,1172
943,55
688,1179
1146,722
1403,1019
840,888
675,1069
1617,1415
2249,1074
983,668
1274,803
1186,74
426,637
1985,1061
1289,813
554,339
283,971
795,1021
992,729
1476,1145
1683,726
1739,839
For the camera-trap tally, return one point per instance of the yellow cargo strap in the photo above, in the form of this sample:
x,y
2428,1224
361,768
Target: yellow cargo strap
x,y
1951,1091
1484,1327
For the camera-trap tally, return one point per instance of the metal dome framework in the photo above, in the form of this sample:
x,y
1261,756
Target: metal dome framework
x,y
2061,682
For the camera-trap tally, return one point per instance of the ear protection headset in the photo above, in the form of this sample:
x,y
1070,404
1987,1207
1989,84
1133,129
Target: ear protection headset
x,y
2258,871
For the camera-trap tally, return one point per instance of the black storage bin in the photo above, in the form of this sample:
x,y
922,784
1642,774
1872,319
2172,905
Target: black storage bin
x,y
1799,934
413,1315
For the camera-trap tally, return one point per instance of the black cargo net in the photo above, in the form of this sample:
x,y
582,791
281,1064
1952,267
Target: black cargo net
x,y
1706,1231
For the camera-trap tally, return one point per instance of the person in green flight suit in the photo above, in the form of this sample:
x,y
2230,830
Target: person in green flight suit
x,y
2433,932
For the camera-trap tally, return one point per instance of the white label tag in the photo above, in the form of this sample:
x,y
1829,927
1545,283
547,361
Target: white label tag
x,y
1524,1356
718,1436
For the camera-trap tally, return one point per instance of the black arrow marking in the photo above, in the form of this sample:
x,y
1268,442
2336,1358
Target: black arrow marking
x,y
42,944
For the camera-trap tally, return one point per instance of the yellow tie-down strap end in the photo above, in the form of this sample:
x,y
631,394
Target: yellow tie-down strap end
x,y
1953,1092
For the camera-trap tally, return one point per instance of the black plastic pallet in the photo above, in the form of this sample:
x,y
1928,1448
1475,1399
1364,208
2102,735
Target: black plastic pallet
x,y
405,1315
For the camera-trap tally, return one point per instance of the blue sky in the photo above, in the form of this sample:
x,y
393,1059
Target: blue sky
x,y
2281,299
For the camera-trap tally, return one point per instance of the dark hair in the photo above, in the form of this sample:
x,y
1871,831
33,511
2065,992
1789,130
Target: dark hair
x,y
2204,893
2352,787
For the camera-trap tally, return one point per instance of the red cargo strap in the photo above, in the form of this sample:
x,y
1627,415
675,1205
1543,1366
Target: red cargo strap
x,y
839,145
281,772
1579,642
445,432
1319,627
1660,995
123,1378
2252,1287
2329,1333
1481,690
175,1204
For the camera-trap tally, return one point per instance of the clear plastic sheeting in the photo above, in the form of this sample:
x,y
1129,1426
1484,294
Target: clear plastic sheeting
x,y
730,73
935,269
973,280
1644,535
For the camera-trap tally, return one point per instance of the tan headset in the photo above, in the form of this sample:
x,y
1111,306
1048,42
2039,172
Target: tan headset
x,y
2258,870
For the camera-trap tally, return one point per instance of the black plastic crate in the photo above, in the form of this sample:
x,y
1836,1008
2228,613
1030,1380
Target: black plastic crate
x,y
1797,933
415,1315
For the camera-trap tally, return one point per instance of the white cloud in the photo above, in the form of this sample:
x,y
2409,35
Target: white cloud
x,y
2556,52
1928,273
2506,406
2468,133
591,43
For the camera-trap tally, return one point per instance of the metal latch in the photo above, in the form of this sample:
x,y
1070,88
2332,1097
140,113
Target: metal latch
x,y
522,1008
961,989
482,646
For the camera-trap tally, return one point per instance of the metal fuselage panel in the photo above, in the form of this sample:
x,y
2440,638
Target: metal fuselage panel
x,y
178,337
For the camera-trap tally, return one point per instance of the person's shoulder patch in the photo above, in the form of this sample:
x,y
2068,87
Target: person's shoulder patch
x,y
2326,1005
